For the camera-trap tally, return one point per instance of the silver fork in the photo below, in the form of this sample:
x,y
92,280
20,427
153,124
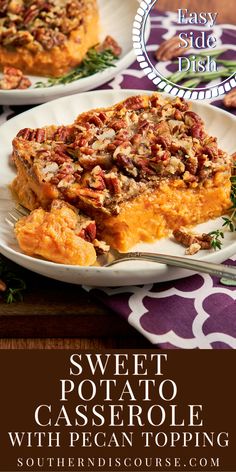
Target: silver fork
x,y
196,265
15,214
114,257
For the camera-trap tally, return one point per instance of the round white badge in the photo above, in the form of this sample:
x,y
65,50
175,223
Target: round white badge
x,y
151,70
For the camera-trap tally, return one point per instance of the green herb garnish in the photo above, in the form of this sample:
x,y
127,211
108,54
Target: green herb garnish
x,y
15,285
216,236
94,61
229,221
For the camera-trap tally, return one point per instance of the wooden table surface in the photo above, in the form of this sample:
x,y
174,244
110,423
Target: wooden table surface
x,y
58,315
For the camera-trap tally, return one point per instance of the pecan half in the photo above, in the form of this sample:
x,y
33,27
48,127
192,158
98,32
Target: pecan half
x,y
92,197
88,232
24,133
170,49
30,14
96,179
112,183
38,134
111,44
230,99
195,123
134,103
24,83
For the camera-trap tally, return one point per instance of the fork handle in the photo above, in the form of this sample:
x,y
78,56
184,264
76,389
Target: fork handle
x,y
220,270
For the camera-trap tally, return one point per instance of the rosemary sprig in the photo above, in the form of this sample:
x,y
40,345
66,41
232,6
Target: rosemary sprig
x,y
14,285
216,241
191,83
229,222
177,77
94,61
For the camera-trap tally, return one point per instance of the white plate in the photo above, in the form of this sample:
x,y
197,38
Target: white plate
x,y
116,18
64,111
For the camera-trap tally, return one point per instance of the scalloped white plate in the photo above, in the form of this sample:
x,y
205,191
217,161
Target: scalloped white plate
x,y
116,19
64,111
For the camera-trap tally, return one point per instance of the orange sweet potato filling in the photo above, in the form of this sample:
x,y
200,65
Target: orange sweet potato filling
x,y
155,214
52,236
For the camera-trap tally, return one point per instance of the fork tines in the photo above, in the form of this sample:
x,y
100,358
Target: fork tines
x,y
15,214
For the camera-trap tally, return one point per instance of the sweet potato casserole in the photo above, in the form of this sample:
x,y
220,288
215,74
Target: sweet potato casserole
x,y
140,169
46,37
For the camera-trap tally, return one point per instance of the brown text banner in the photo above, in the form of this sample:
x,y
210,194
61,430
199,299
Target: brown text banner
x,y
139,411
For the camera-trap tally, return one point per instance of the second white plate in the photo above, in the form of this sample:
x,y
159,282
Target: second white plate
x,y
116,19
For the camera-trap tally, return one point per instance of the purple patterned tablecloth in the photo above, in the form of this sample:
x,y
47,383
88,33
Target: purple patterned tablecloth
x,y
195,312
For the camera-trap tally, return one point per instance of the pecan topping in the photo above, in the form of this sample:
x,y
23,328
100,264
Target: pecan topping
x,y
93,197
38,135
170,49
39,24
96,179
112,183
230,99
118,124
95,120
14,79
49,38
191,165
60,156
30,14
108,157
64,133
193,241
24,133
20,38
192,118
88,232
211,149
134,103
195,123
